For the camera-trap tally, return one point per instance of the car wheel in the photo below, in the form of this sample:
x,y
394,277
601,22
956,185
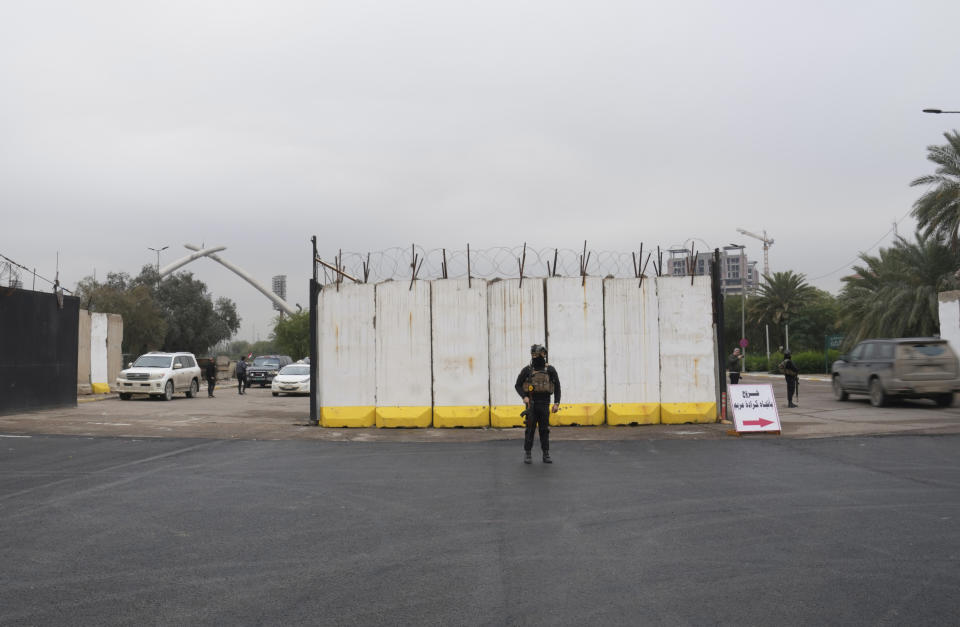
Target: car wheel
x,y
194,389
838,392
124,396
168,391
943,400
878,398
276,393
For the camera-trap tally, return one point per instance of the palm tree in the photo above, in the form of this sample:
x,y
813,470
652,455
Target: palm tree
x,y
781,296
895,293
938,210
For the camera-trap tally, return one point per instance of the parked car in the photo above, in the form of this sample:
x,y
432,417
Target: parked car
x,y
160,375
265,367
918,367
292,379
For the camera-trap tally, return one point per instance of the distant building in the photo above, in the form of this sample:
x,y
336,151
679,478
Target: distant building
x,y
737,272
280,289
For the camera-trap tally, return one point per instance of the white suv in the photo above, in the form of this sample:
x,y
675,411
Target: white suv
x,y
161,375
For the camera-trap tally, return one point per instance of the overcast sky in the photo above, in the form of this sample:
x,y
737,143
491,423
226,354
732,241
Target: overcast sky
x,y
253,125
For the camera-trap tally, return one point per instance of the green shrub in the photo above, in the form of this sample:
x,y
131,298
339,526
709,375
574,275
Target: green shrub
x,y
807,362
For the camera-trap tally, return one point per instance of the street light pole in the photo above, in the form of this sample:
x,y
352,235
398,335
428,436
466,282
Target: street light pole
x,y
743,303
158,251
938,111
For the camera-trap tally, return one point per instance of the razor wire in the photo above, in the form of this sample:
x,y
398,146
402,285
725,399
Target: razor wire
x,y
11,274
502,262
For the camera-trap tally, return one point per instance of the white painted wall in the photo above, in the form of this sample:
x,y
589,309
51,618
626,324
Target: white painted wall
x,y
949,309
687,355
403,344
632,340
461,356
98,348
575,337
347,346
515,317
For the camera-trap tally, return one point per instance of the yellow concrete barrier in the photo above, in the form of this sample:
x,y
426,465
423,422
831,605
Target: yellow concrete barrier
x,y
100,388
583,414
348,417
506,416
461,416
680,413
633,413
391,417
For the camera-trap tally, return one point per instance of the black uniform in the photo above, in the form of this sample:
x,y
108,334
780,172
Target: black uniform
x,y
538,413
790,373
241,376
211,374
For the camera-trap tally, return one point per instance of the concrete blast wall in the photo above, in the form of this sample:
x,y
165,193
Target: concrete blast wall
x,y
515,319
83,352
632,342
447,353
461,375
347,389
688,379
575,345
404,395
99,360
949,309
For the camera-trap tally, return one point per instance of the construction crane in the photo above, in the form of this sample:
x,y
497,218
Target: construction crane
x,y
767,242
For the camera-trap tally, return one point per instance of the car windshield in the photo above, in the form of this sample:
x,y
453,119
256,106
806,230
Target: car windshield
x,y
296,369
152,361
266,362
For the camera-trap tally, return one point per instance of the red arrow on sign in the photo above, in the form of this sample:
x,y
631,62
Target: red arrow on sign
x,y
762,422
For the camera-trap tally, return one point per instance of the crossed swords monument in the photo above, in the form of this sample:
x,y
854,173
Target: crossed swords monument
x,y
211,253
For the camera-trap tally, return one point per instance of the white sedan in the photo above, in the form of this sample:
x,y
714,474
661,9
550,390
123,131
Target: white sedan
x,y
292,379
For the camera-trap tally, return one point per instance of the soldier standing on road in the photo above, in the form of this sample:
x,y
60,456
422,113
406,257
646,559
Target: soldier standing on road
x,y
210,372
735,366
535,385
791,374
241,374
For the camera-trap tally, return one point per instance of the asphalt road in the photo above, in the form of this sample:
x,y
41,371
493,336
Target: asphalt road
x,y
170,531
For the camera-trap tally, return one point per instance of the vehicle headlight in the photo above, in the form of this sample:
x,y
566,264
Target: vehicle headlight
x,y
156,375
273,372
305,380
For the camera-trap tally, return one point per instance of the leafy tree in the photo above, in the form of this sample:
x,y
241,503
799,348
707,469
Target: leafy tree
x,y
894,294
194,323
144,327
292,334
938,209
239,348
817,318
779,299
732,328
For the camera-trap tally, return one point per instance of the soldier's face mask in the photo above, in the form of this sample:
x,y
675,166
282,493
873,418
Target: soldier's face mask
x,y
539,361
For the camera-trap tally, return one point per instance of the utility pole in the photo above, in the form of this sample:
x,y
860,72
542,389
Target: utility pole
x,y
314,333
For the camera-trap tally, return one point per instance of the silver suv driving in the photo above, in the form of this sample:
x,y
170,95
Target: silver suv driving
x,y
918,367
161,375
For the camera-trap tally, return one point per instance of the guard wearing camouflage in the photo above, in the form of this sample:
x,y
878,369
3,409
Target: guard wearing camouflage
x,y
535,384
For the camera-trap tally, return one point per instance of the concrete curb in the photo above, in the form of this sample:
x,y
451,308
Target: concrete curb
x,y
92,398
825,378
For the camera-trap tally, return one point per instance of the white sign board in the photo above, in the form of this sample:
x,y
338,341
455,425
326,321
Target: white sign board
x,y
754,408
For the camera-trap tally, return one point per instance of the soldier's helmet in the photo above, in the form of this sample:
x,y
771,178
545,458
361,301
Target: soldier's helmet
x,y
538,349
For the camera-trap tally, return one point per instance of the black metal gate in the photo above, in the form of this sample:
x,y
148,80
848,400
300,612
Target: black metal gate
x,y
38,350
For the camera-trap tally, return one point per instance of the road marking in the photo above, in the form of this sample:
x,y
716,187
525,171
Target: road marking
x,y
110,424
16,436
